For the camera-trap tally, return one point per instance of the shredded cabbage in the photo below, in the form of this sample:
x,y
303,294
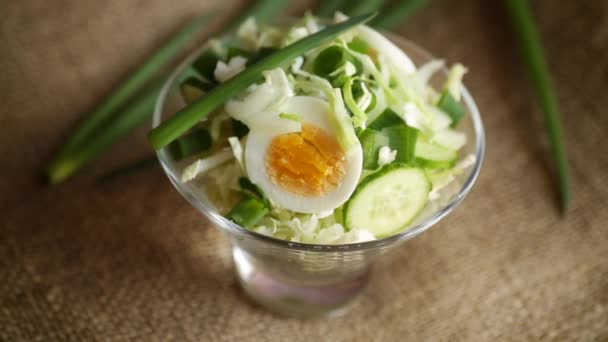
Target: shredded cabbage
x,y
340,119
261,107
203,165
441,179
454,82
225,71
315,229
386,155
215,128
237,151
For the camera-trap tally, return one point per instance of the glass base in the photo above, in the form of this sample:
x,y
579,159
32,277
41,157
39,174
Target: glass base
x,y
296,298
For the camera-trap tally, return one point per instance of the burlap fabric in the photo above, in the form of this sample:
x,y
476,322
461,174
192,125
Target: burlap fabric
x,y
130,260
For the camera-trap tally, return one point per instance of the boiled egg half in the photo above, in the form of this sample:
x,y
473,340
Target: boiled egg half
x,y
303,169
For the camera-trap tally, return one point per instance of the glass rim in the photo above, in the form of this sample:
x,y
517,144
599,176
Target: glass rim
x,y
187,192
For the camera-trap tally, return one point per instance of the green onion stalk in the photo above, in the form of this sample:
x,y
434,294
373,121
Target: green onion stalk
x,y
183,120
62,165
394,15
101,121
529,40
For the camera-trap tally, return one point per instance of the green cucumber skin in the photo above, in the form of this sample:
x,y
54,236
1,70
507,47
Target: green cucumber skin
x,y
369,180
435,164
427,160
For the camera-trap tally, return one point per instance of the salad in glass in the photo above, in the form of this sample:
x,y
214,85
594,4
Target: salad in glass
x,y
345,143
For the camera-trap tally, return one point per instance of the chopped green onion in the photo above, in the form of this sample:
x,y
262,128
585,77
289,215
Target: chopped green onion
x,y
363,6
371,143
248,212
119,97
234,51
252,190
192,89
329,60
402,138
183,120
239,129
358,45
192,143
395,15
386,119
290,116
359,116
261,53
448,104
138,110
329,7
205,64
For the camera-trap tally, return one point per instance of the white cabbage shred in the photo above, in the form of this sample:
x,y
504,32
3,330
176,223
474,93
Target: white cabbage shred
x,y
203,165
386,155
225,71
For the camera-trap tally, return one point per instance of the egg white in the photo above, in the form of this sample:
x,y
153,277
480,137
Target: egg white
x,y
314,111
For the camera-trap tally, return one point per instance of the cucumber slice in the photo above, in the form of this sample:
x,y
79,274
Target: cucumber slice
x,y
388,201
450,139
433,156
371,142
190,144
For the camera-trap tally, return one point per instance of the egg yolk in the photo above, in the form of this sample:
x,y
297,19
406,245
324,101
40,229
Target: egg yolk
x,y
308,163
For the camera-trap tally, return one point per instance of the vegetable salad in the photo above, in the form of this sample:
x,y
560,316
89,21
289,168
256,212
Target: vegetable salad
x,y
343,144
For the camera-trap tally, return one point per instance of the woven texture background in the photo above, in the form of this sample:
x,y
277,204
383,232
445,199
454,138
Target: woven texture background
x,y
130,260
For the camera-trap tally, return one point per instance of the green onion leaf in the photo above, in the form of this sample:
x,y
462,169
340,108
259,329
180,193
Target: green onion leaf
x,y
448,104
192,89
183,120
329,60
358,45
239,129
386,119
190,144
260,54
252,190
119,97
529,39
328,8
359,116
402,138
396,14
248,212
205,64
363,6
371,143
137,111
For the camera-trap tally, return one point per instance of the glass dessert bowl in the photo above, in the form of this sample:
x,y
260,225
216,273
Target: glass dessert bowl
x,y
308,280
